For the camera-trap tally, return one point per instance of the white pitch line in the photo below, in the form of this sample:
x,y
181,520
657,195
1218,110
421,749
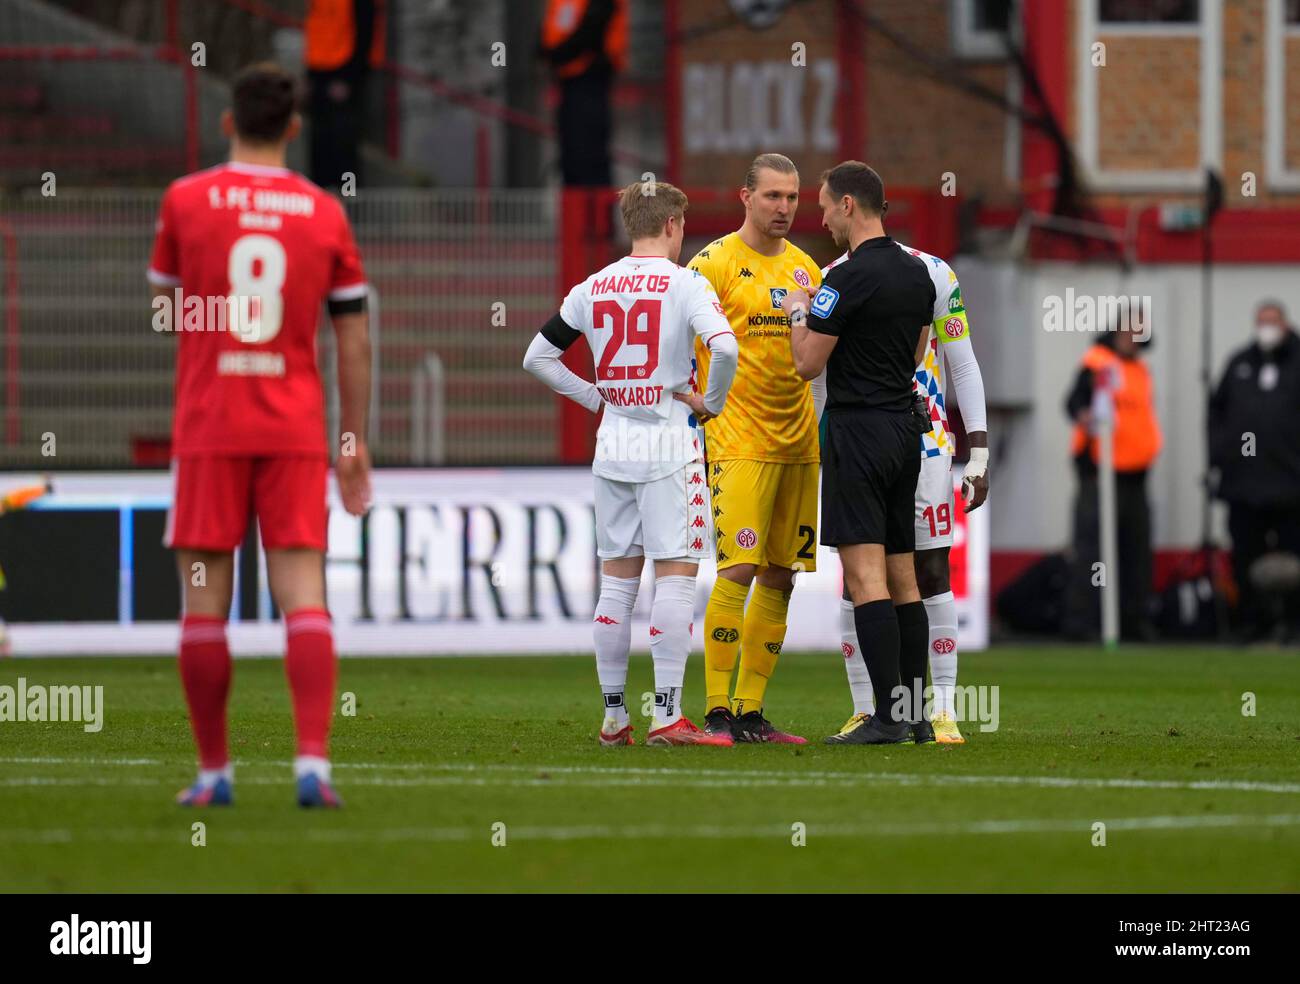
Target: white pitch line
x,y
47,760
901,778
75,781
750,777
658,831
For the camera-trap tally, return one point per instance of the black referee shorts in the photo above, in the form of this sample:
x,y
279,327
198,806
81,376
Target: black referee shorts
x,y
870,466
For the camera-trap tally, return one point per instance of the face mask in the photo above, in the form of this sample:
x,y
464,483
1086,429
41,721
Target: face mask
x,y
1269,336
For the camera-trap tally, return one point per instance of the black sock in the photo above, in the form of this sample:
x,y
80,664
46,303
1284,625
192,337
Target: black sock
x,y
878,639
913,654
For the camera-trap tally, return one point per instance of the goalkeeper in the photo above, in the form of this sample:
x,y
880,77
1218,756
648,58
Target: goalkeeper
x,y
762,455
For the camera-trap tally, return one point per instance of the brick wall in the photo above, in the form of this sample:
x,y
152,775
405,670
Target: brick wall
x,y
1148,95
919,125
922,119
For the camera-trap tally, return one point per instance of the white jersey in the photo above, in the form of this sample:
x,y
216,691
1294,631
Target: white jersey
x,y
641,316
948,325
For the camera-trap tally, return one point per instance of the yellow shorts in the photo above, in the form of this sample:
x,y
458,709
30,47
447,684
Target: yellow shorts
x,y
765,513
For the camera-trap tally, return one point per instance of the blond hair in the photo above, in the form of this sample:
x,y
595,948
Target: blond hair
x,y
772,162
647,206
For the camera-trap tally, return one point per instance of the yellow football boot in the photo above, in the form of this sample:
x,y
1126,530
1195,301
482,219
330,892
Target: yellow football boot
x,y
945,730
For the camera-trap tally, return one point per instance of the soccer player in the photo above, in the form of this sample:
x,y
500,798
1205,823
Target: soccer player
x,y
641,317
246,254
947,351
762,455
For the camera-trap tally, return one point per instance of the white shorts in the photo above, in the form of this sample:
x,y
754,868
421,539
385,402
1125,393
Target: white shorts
x,y
934,503
667,519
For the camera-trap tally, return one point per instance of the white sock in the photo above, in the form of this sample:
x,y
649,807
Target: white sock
x,y
611,631
864,700
209,777
311,765
671,616
941,610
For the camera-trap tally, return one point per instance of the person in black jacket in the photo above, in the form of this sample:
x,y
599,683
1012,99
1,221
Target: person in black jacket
x,y
1255,451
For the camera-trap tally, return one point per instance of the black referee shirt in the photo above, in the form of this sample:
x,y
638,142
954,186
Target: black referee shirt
x,y
876,302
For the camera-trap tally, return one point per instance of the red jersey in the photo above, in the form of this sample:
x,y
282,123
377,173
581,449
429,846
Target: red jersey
x,y
255,252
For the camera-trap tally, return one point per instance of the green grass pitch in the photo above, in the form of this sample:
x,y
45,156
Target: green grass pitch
x,y
1152,742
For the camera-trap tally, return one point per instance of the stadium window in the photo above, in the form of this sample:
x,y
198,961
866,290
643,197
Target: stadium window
x,y
979,27
1149,11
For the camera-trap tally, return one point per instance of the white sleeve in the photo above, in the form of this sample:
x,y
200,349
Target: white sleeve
x,y
543,361
711,326
967,383
724,355
819,395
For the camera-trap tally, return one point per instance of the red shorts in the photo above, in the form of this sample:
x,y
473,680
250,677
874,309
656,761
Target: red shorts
x,y
215,496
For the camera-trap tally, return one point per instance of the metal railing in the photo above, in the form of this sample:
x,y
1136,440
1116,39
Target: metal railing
x,y
465,279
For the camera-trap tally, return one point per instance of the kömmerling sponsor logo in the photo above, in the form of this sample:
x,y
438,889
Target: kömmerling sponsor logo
x,y
102,939
39,703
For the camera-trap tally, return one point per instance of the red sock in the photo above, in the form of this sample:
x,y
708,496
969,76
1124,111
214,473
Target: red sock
x,y
311,668
205,675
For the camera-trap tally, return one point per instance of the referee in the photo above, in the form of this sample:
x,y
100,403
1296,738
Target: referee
x,y
866,328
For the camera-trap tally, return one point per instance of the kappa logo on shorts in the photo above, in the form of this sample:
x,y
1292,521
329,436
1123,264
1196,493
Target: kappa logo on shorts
x,y
726,635
944,645
824,303
746,538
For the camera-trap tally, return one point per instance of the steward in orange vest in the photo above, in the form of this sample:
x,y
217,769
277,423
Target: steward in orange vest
x,y
1136,430
332,29
344,41
578,35
1115,362
585,43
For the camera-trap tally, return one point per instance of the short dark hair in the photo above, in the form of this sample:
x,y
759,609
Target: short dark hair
x,y
859,182
1275,304
264,98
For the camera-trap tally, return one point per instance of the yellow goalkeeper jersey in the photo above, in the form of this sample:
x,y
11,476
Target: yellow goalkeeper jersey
x,y
769,411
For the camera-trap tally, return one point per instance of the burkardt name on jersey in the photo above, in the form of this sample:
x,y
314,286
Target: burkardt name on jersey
x,y
631,396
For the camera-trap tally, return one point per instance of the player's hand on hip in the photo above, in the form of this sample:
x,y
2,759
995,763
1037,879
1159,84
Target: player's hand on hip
x,y
696,402
353,474
975,479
